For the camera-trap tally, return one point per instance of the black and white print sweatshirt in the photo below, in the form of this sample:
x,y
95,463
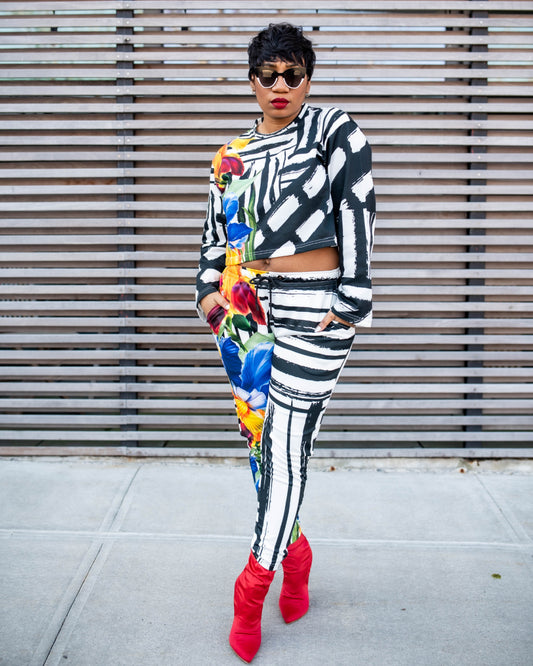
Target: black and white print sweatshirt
x,y
307,186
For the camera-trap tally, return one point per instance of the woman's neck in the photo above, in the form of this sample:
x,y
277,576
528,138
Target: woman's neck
x,y
272,125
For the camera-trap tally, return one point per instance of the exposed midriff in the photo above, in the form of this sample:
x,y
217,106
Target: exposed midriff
x,y
322,259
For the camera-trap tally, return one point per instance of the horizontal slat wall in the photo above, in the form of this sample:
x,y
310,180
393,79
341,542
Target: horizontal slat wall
x,y
109,115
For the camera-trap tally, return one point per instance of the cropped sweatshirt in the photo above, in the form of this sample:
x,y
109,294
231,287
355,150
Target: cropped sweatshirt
x,y
307,186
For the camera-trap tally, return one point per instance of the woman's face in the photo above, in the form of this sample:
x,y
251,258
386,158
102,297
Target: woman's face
x,y
280,104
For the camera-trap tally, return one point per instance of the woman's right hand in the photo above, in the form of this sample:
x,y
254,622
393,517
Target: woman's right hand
x,y
211,300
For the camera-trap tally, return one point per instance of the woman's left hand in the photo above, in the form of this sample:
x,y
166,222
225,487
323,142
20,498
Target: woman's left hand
x,y
328,319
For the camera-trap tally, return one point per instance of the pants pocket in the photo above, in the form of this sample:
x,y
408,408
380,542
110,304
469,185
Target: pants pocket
x,y
338,325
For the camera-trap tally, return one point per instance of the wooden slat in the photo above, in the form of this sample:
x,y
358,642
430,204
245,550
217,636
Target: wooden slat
x,y
407,190
203,172
209,406
330,423
230,55
184,239
334,88
59,308
414,206
202,157
192,436
187,323
184,256
105,373
343,388
247,20
241,39
208,356
202,140
201,124
244,106
93,274
197,339
419,225
170,5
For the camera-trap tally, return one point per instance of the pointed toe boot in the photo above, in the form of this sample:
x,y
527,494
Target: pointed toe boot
x,y
251,588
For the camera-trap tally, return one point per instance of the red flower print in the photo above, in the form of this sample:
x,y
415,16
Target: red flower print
x,y
215,317
244,300
225,164
233,164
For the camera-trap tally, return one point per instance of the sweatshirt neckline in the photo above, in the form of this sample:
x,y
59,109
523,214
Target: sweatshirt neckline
x,y
287,128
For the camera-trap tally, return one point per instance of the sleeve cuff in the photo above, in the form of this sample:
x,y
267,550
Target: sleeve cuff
x,y
206,290
353,314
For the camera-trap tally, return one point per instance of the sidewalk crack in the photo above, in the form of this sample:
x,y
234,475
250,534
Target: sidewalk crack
x,y
51,647
517,531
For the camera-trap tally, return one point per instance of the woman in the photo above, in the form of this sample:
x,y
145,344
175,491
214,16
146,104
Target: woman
x,y
284,279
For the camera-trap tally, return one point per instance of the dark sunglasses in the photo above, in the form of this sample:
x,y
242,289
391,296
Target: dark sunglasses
x,y
293,77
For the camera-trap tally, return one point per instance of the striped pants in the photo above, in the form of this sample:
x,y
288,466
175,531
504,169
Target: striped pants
x,y
282,374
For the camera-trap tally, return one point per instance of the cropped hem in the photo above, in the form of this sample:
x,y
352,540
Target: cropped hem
x,y
330,241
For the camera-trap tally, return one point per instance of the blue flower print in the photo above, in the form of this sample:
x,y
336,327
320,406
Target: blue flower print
x,y
230,357
252,377
255,375
237,234
230,204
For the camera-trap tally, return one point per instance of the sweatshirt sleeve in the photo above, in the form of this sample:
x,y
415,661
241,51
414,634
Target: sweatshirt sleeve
x,y
349,164
213,250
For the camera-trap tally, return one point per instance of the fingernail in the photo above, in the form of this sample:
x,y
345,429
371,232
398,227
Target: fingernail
x,y
226,306
318,329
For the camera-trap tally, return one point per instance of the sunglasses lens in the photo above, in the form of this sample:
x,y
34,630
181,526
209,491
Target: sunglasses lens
x,y
267,77
293,77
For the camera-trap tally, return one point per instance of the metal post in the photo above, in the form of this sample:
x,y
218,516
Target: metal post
x,y
478,165
124,230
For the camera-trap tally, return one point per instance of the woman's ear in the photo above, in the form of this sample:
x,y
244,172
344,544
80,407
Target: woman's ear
x,y
252,84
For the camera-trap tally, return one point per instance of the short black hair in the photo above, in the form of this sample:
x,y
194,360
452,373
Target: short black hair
x,y
281,41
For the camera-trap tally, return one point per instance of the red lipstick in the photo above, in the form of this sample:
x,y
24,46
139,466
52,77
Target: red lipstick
x,y
279,102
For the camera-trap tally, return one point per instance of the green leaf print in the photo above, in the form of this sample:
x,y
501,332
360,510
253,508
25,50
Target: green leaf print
x,y
250,214
257,338
226,324
240,185
240,321
236,187
250,210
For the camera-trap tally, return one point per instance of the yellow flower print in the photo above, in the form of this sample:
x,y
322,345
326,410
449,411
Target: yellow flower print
x,y
252,420
227,162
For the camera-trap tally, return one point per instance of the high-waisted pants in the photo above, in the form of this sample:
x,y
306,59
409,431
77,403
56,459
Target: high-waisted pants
x,y
282,374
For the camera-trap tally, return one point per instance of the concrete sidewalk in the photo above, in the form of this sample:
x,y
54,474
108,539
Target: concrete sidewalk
x,y
112,562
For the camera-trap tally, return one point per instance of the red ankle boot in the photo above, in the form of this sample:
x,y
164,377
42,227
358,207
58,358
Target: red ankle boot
x,y
294,597
251,588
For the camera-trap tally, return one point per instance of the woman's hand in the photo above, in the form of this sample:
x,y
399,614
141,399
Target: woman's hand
x,y
327,321
211,300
